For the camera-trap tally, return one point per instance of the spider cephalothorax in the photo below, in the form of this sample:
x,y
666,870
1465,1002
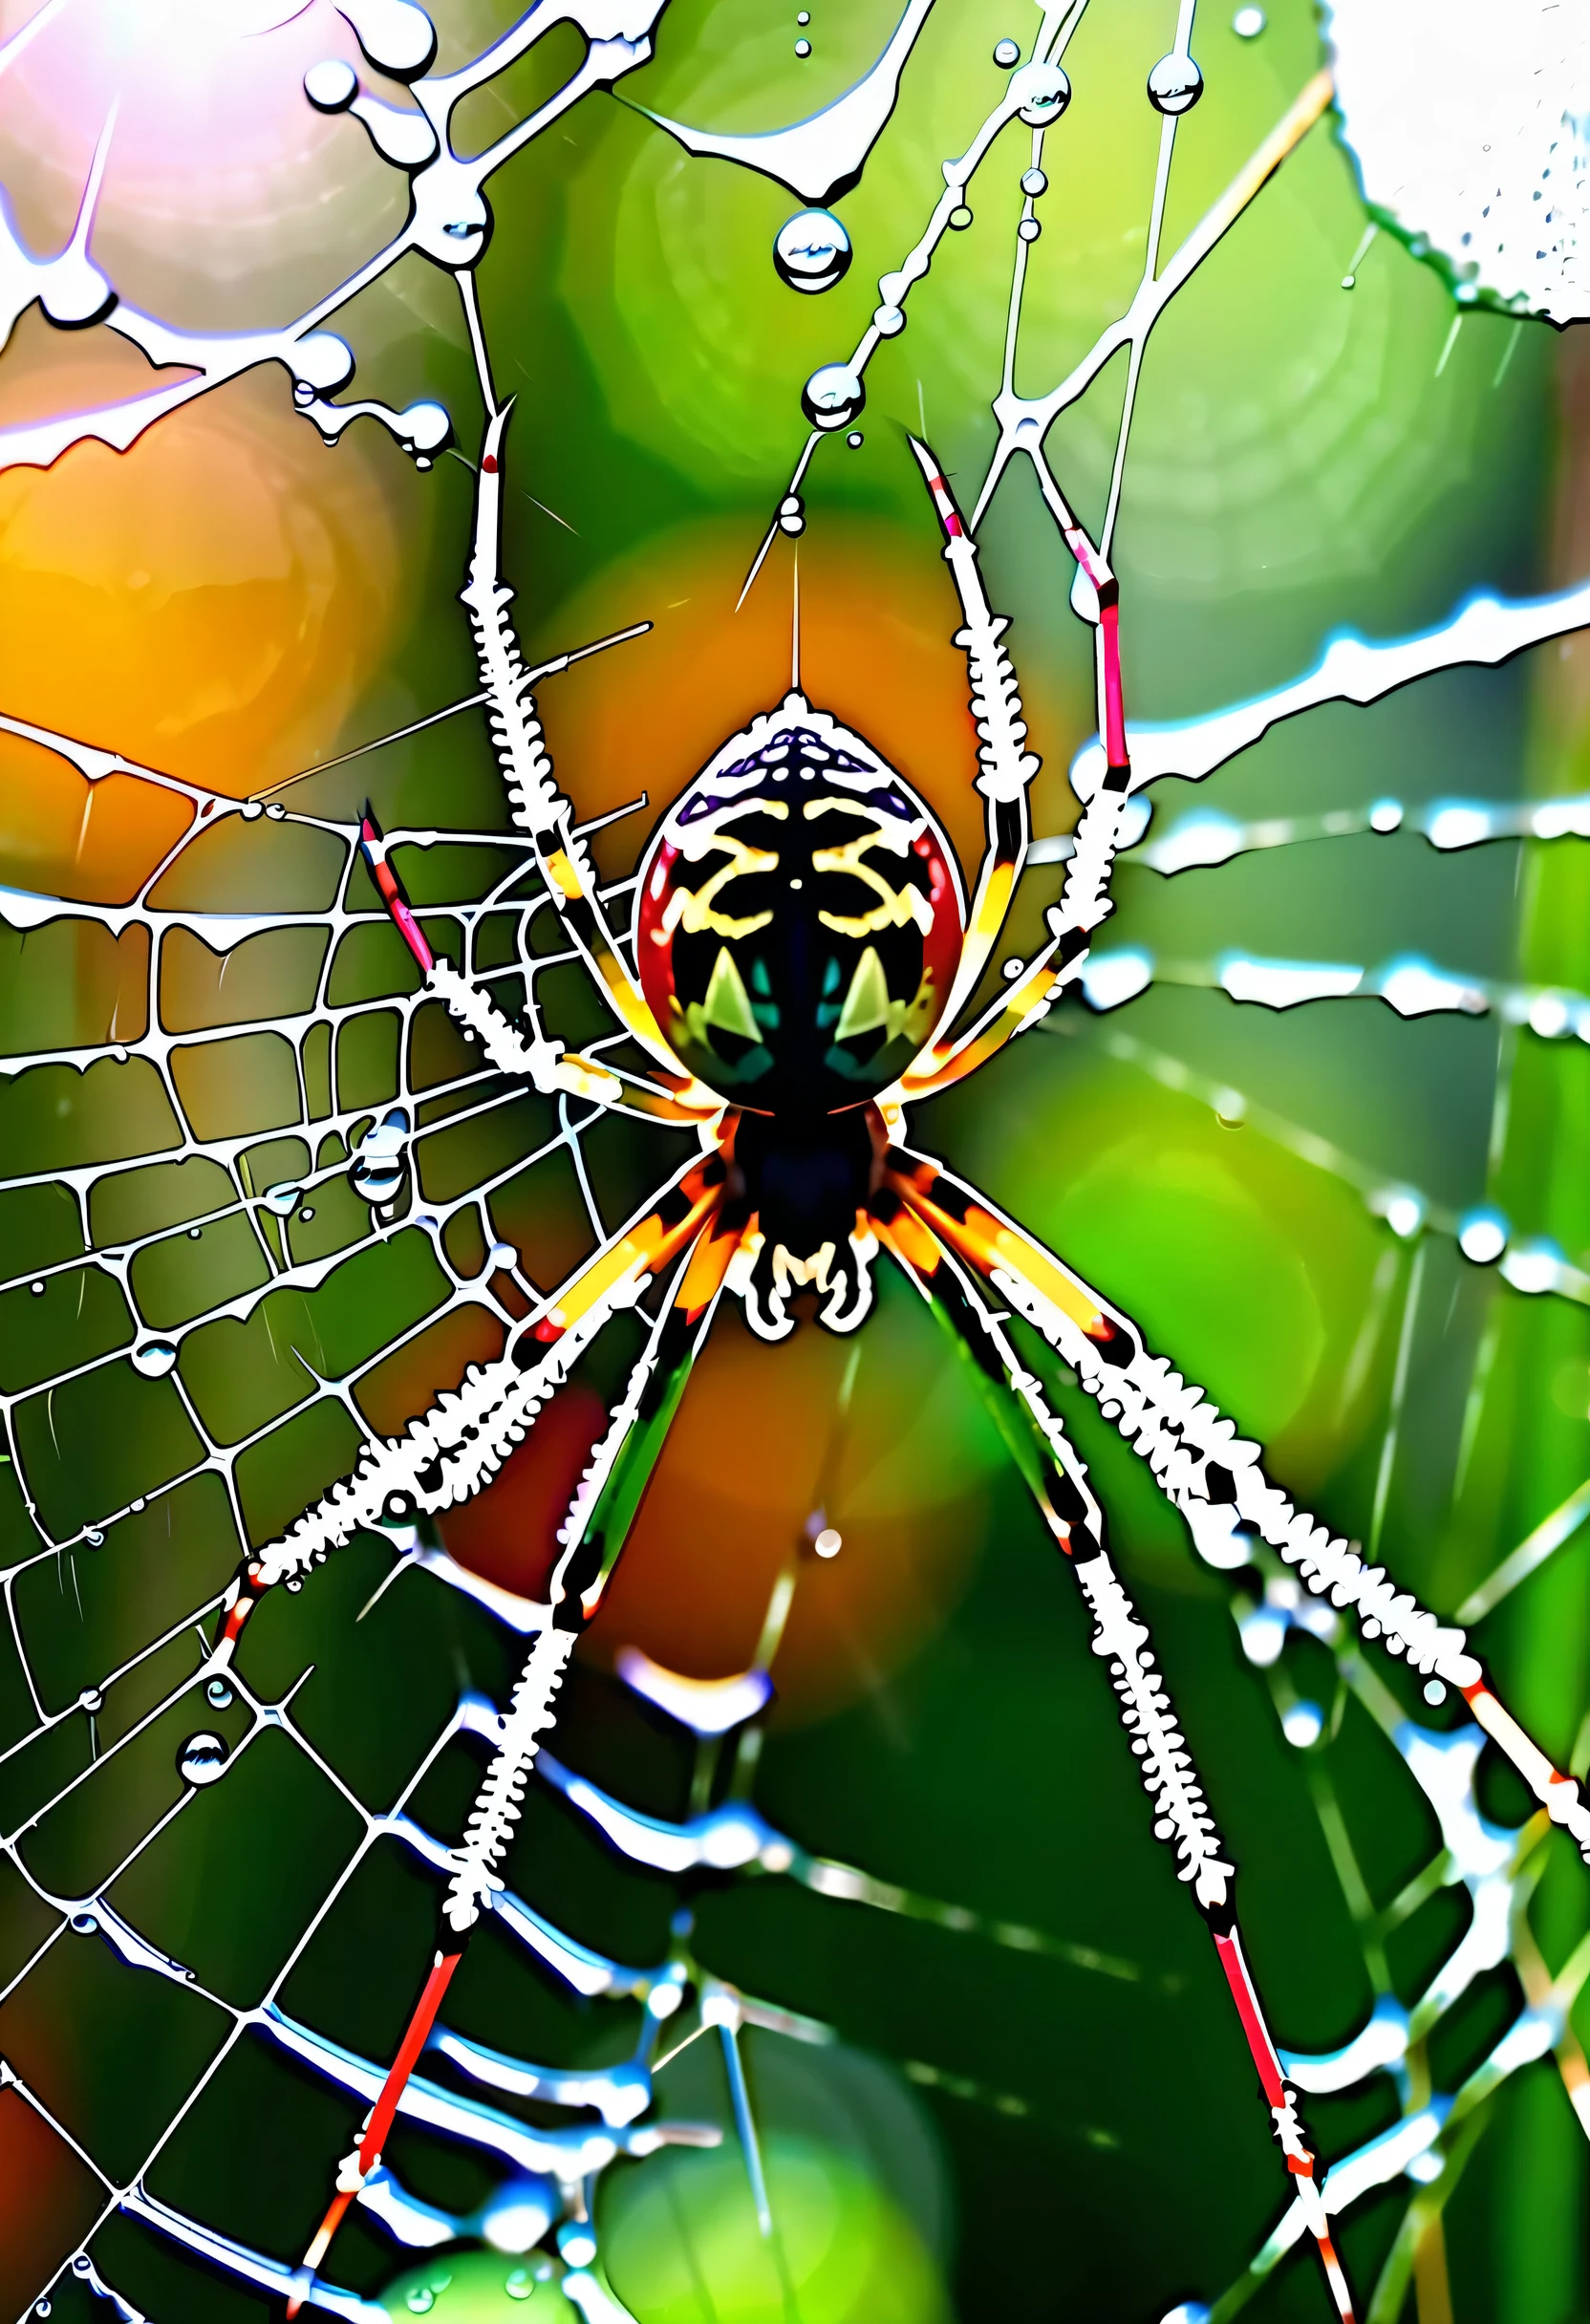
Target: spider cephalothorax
x,y
798,925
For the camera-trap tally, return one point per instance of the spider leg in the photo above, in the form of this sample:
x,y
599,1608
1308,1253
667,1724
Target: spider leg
x,y
593,1535
1058,1481
1214,1476
1007,767
1085,901
535,802
447,1454
547,1064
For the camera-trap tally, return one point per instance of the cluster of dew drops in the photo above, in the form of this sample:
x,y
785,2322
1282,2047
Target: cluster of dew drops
x,y
812,250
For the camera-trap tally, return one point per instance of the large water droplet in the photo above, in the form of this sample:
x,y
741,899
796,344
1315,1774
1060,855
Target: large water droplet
x,y
811,251
833,396
153,1358
1042,92
282,1200
1248,22
397,36
331,84
1176,85
1006,54
380,1166
202,1760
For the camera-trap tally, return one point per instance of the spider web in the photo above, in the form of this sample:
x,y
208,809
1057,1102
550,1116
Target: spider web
x,y
251,1126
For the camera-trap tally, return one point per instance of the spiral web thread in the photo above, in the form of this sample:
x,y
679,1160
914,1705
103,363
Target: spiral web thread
x,y
97,1302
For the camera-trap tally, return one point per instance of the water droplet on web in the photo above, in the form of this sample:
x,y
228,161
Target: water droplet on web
x,y
1006,54
153,1358
218,1695
1176,85
1434,1691
1041,93
95,1538
791,516
855,439
420,2298
1302,1724
380,1166
889,321
812,251
83,1924
1482,1235
960,218
202,1760
91,1701
1248,22
252,807
41,2307
803,48
1029,229
194,1233
503,1256
832,397
331,84
35,1289
1034,181
282,1200
1385,815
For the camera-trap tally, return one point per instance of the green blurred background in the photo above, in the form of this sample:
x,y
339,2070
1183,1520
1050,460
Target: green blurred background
x,y
1003,2131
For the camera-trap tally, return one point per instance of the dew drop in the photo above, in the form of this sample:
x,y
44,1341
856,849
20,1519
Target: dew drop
x,y
41,2307
828,1543
36,1290
95,1538
153,1358
252,807
194,1233
282,1200
331,85
889,321
306,1213
1434,1691
83,1924
503,1256
202,1760
518,2286
1029,229
832,397
1006,54
960,218
218,1695
275,811
1248,22
803,48
1034,181
420,2298
1303,1723
855,439
791,516
804,16
1041,93
812,251
91,1701
1176,85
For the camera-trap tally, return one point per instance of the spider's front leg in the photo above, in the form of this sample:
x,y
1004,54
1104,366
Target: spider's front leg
x,y
547,1064
1085,902
593,1536
1058,1481
535,802
1214,1476
1007,766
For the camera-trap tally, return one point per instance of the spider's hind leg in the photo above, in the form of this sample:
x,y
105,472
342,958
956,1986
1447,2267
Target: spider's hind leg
x,y
1058,1481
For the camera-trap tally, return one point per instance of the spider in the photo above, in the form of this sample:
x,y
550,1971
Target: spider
x,y
803,955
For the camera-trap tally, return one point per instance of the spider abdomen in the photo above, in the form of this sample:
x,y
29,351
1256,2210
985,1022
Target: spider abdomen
x,y
797,920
